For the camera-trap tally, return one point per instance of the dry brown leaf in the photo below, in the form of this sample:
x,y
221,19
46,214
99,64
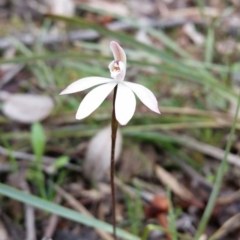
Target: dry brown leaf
x,y
143,37
169,180
142,161
97,159
27,108
229,198
193,34
62,7
229,226
113,7
79,207
3,232
193,12
227,46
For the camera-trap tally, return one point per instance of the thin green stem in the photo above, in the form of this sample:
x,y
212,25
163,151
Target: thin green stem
x,y
114,136
211,203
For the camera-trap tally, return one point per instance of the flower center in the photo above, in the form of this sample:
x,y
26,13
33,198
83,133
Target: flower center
x,y
116,67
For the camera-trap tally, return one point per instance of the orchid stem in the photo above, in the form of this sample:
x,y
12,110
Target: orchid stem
x,y
114,136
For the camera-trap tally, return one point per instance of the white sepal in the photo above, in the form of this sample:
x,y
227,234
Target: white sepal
x,y
85,83
145,95
94,99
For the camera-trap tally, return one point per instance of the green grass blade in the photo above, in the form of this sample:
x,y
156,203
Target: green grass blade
x,y
61,211
201,4
211,203
124,38
38,140
150,227
210,44
159,34
177,65
172,226
26,59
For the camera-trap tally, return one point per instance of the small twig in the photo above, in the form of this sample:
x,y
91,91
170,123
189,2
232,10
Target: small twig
x,y
3,231
52,223
24,156
5,168
29,215
193,13
11,73
31,157
218,119
228,199
232,224
196,177
30,39
197,112
167,179
207,149
79,207
164,23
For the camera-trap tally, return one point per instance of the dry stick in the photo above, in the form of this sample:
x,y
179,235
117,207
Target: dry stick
x,y
24,156
207,149
50,38
232,224
79,207
47,161
114,136
228,199
3,231
29,215
11,73
52,222
197,179
169,180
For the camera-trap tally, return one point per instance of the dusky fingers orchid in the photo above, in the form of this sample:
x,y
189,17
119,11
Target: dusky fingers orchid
x,y
125,103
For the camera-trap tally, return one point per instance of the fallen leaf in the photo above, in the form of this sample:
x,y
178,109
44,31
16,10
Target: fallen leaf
x,y
27,108
143,37
98,154
113,7
62,7
231,225
193,34
3,232
169,180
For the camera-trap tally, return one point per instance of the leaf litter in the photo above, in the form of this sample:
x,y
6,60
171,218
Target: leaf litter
x,y
183,158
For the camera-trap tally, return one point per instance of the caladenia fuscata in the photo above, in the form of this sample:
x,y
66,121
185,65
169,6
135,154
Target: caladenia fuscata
x,y
124,101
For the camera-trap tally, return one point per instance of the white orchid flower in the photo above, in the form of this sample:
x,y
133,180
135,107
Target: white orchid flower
x,y
125,102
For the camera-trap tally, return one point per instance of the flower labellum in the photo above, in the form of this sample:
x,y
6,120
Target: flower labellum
x,y
125,103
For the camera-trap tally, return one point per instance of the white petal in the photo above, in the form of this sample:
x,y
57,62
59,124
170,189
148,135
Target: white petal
x,y
84,83
125,104
94,99
118,52
145,95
